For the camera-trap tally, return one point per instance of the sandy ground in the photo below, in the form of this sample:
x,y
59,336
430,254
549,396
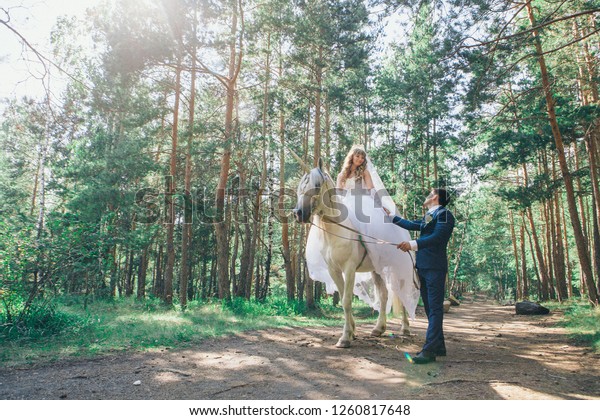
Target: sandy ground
x,y
492,354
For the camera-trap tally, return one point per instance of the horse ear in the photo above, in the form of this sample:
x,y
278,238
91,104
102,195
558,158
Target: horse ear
x,y
300,161
321,164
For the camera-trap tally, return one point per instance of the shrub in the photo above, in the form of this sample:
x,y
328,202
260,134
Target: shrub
x,y
40,319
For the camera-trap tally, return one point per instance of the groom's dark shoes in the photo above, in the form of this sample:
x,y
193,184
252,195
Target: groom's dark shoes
x,y
423,357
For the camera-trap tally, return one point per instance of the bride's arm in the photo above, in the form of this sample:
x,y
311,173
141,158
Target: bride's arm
x,y
369,185
338,183
368,181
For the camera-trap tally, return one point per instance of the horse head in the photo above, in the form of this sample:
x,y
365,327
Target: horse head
x,y
311,191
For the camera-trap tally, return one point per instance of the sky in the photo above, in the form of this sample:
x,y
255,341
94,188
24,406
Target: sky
x,y
34,20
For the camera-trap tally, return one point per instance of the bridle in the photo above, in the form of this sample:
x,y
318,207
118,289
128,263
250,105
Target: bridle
x,y
315,206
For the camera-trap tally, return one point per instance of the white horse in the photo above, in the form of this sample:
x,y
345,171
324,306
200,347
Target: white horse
x,y
342,250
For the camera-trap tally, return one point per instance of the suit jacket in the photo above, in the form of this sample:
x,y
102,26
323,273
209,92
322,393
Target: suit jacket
x,y
433,241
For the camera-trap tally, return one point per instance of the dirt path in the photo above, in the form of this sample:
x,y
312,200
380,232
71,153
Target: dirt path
x,y
492,354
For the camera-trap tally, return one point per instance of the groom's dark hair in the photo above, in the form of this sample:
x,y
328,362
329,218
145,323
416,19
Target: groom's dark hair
x,y
444,196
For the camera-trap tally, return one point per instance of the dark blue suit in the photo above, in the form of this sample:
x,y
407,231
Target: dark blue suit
x,y
432,266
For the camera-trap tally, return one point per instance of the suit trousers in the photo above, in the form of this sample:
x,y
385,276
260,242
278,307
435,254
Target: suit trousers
x,y
433,284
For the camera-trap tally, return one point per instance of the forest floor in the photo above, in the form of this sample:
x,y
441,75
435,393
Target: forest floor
x,y
492,354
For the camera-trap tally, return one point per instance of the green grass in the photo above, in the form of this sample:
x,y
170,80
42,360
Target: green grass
x,y
581,320
127,324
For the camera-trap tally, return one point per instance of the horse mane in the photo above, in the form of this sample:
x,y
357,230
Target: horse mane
x,y
318,176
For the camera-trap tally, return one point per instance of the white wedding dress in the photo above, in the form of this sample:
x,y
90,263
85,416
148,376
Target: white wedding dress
x,y
393,265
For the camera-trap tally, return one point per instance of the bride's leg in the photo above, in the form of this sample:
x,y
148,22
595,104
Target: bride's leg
x,y
382,291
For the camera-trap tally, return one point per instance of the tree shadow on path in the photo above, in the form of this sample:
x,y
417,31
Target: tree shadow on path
x,y
492,354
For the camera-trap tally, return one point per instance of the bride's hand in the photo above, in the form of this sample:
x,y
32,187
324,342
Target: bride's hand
x,y
386,211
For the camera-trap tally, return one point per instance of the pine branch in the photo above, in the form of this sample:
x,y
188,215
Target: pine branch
x,y
533,28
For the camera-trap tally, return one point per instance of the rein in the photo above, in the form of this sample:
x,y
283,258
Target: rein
x,y
362,242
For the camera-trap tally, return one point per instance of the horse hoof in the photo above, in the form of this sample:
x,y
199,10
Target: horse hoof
x,y
377,333
343,344
406,332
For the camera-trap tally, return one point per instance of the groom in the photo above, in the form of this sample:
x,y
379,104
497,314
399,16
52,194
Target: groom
x,y
432,266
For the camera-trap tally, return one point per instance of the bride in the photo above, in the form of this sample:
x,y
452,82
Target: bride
x,y
362,193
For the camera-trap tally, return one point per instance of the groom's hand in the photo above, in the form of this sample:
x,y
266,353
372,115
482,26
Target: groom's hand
x,y
386,211
404,246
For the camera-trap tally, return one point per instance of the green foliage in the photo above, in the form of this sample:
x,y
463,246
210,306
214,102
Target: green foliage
x,y
40,319
486,262
272,306
122,324
581,320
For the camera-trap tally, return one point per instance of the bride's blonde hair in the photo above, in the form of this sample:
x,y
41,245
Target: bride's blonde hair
x,y
347,166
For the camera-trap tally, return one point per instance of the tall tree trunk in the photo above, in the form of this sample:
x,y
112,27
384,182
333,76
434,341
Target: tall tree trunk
x,y
586,96
186,236
524,276
584,222
247,242
595,214
365,102
435,164
544,270
567,257
596,229
171,189
213,288
549,253
516,255
129,273
592,142
142,269
582,250
300,278
590,62
319,87
310,284
221,228
256,232
328,134
270,220
268,174
535,266
559,259
35,183
236,284
158,275
113,271
285,241
582,205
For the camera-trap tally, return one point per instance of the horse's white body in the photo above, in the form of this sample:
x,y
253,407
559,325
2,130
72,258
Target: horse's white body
x,y
344,257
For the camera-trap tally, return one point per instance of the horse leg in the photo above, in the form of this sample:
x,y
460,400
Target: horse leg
x,y
382,291
338,279
405,326
348,332
398,309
